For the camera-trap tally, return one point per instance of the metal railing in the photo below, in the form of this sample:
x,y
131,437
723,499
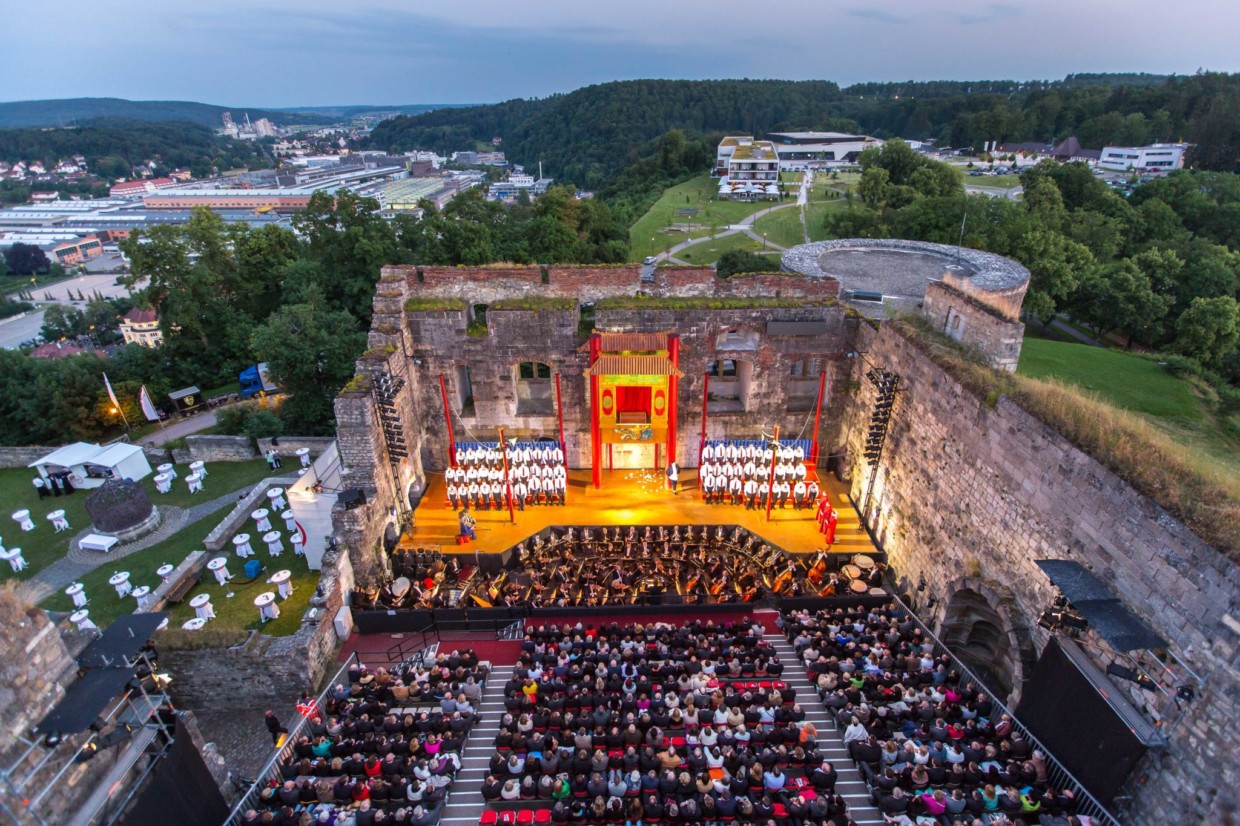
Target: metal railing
x,y
1056,774
408,649
271,769
515,631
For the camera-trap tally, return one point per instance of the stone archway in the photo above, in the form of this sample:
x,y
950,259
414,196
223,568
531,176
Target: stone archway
x,y
984,626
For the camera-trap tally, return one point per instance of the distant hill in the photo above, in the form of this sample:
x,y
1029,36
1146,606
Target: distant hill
x,y
589,135
346,112
74,111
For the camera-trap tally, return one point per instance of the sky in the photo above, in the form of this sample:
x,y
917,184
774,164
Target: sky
x,y
323,52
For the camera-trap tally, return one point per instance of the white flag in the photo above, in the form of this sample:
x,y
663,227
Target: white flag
x,y
111,394
148,407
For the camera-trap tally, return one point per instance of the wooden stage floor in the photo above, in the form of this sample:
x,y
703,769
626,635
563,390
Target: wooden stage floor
x,y
634,497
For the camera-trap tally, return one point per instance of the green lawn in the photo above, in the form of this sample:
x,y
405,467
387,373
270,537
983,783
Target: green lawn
x,y
234,614
43,546
708,251
1136,383
1126,380
783,226
992,181
697,193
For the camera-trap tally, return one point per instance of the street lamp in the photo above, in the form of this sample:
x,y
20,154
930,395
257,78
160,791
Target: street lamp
x,y
764,242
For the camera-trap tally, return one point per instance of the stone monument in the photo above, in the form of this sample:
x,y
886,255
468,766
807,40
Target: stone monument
x,y
122,509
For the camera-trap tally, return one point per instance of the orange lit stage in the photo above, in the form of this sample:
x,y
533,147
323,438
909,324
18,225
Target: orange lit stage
x,y
634,497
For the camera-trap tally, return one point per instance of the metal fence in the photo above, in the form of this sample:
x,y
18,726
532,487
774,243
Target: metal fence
x,y
1056,775
271,771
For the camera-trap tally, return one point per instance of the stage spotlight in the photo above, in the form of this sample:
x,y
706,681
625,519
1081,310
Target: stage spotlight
x,y
1073,621
1132,675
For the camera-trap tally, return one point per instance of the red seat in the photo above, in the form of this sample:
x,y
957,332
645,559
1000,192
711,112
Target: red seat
x,y
542,816
489,818
525,817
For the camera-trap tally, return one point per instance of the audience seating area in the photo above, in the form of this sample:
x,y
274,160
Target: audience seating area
x,y
384,748
932,746
657,724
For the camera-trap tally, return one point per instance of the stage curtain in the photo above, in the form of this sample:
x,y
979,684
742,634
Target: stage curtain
x,y
633,400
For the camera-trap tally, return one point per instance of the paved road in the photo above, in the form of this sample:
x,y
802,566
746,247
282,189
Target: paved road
x,y
13,331
180,427
1012,194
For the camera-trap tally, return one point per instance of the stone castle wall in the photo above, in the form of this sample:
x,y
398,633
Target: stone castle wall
x,y
974,324
969,489
264,669
483,285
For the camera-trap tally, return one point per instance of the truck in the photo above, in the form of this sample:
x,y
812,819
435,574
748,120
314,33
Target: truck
x,y
255,380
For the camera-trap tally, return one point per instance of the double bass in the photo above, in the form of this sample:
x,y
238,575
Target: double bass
x,y
817,570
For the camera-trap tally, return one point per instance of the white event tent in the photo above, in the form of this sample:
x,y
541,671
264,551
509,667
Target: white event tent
x,y
91,465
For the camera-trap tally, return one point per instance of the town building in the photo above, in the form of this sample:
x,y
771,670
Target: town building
x,y
748,169
818,150
76,251
141,326
1158,157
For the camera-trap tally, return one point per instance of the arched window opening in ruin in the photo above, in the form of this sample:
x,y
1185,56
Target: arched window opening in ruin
x,y
533,389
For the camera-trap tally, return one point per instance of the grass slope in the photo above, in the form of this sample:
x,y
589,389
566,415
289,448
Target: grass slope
x,y
1126,380
696,193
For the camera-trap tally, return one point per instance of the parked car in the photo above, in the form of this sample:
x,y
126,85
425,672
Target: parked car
x,y
649,260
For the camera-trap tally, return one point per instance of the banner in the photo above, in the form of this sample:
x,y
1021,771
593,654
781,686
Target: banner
x,y
111,394
148,407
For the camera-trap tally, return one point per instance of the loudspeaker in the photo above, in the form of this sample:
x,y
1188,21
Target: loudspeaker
x,y
352,498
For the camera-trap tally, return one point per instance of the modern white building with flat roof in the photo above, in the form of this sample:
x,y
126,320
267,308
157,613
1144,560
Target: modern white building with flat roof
x,y
1158,157
817,150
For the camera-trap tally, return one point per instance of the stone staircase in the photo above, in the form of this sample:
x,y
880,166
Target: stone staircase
x,y
850,786
465,804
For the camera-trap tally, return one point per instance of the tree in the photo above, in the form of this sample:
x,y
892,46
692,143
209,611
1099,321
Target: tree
x,y
1056,265
739,261
1209,330
310,351
26,259
346,234
62,321
1121,297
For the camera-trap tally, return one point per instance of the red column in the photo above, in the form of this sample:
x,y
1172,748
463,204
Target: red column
x,y
503,452
813,449
770,493
673,395
559,410
596,431
705,399
447,416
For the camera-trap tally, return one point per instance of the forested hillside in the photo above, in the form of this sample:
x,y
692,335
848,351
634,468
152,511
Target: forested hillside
x,y
589,135
70,111
113,146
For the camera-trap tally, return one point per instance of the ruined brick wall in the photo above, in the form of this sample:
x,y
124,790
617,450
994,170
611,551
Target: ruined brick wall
x,y
485,285
966,489
972,323
264,669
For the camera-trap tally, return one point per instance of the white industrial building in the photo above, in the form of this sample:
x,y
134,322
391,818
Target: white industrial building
x,y
1158,157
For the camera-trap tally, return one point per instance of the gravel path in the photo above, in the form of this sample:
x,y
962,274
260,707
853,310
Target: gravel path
x,y
77,562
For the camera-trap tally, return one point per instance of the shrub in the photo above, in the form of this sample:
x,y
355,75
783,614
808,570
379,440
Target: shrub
x,y
263,424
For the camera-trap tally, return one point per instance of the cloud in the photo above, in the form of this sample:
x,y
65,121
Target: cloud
x,y
877,15
990,14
